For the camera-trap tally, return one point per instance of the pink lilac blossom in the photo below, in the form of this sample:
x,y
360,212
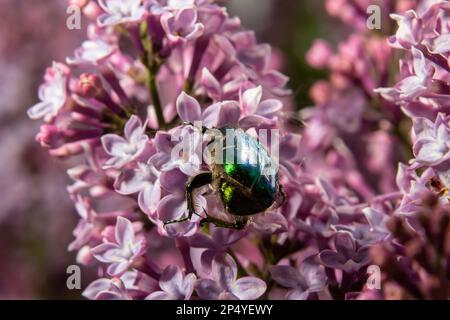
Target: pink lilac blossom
x,y
189,61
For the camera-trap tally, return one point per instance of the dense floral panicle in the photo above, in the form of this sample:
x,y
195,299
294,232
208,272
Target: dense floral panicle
x,y
129,101
122,110
423,94
425,257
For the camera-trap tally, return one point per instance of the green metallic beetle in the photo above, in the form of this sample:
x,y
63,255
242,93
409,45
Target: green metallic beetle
x,y
243,176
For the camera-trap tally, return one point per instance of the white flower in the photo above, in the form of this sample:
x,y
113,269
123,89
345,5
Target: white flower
x,y
432,140
120,11
123,252
144,180
123,150
413,86
53,95
92,52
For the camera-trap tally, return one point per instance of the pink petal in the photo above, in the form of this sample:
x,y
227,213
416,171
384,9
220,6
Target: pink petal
x,y
133,129
201,240
163,141
129,182
224,269
173,181
332,259
229,114
345,244
159,295
286,276
185,18
96,287
114,144
148,198
251,99
116,269
207,289
171,280
102,252
269,108
249,288
172,207
188,108
188,285
211,114
252,121
40,110
196,32
297,294
124,232
211,84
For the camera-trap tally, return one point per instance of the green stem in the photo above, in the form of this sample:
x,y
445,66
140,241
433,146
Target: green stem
x,y
117,123
152,71
152,66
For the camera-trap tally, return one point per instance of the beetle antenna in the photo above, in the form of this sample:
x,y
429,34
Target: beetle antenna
x,y
199,215
206,213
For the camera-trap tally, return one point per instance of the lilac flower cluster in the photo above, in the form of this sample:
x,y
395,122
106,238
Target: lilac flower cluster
x,y
349,105
422,92
417,267
127,96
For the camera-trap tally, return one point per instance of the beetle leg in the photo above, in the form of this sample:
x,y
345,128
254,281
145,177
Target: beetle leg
x,y
195,182
238,224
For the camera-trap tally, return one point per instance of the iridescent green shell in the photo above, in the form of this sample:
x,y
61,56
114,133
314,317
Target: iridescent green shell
x,y
251,189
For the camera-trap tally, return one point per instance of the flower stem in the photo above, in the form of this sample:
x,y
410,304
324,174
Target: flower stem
x,y
152,66
152,71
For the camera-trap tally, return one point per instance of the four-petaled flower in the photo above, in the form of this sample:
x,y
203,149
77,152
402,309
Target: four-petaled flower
x,y
123,150
142,180
219,241
174,285
124,251
120,11
307,279
225,285
414,85
432,140
217,115
92,52
128,286
53,94
409,32
182,25
347,256
257,112
107,289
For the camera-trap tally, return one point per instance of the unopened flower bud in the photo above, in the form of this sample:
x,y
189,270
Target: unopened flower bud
x,y
78,3
90,85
